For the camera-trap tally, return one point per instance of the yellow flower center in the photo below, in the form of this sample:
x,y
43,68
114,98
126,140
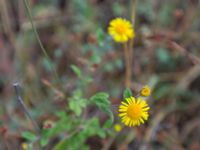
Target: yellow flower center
x,y
120,28
134,111
146,91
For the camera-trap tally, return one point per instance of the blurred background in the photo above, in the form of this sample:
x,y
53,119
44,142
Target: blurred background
x,y
166,57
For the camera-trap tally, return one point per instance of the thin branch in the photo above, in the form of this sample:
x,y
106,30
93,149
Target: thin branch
x,y
20,100
193,58
38,38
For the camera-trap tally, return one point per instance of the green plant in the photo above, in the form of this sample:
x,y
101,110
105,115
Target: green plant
x,y
74,123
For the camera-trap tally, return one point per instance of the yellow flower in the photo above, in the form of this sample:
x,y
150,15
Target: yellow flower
x,y
24,146
121,30
117,127
146,91
133,112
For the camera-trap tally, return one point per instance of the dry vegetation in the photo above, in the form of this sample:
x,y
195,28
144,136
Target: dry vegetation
x,y
81,59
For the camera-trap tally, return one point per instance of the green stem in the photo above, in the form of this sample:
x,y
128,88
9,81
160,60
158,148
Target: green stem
x,y
38,39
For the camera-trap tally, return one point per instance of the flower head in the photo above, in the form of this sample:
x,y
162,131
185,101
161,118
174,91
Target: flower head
x,y
24,146
121,30
146,91
133,112
117,127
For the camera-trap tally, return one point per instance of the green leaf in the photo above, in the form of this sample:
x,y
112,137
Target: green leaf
x,y
45,137
64,144
108,123
29,136
101,134
87,79
61,126
100,36
44,142
163,55
127,93
90,128
103,103
47,64
76,70
101,95
77,105
101,100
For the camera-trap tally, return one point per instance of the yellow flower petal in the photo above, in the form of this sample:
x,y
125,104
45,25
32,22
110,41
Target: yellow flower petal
x,y
121,30
133,112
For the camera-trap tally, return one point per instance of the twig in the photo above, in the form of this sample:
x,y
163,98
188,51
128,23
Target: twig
x,y
20,100
194,59
188,77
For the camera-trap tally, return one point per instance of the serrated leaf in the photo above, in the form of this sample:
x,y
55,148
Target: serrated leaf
x,y
29,136
127,93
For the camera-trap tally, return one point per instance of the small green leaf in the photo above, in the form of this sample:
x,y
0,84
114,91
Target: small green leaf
x,y
62,125
76,70
47,64
101,134
108,123
102,101
127,93
163,55
77,105
29,136
100,95
44,137
100,36
44,142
